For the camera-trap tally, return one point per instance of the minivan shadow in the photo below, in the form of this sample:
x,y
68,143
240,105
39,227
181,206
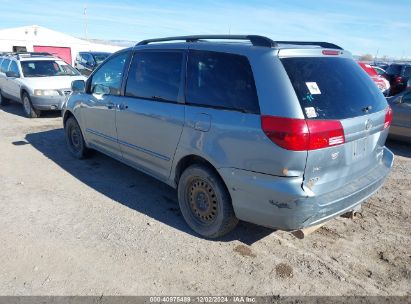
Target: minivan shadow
x,y
129,187
17,109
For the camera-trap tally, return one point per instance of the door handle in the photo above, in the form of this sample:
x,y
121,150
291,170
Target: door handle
x,y
110,105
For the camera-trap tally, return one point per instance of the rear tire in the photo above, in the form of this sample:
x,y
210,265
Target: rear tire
x,y
205,202
28,108
74,139
3,101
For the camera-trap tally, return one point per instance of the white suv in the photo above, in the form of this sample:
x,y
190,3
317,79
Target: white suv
x,y
38,81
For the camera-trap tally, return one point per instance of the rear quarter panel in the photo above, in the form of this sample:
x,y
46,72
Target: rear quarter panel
x,y
235,140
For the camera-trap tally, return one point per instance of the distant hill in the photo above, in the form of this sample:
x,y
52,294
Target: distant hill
x,y
124,43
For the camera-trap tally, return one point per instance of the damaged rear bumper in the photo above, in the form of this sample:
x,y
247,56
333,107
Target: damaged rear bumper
x,y
281,202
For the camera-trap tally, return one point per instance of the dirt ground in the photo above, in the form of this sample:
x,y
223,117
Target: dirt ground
x,y
98,227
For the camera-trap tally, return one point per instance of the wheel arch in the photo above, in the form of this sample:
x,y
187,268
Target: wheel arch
x,y
189,160
67,114
23,90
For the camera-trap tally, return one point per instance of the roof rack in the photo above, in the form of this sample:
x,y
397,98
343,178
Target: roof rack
x,y
27,54
33,54
254,39
326,45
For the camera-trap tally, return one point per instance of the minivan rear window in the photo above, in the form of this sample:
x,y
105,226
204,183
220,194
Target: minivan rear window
x,y
333,88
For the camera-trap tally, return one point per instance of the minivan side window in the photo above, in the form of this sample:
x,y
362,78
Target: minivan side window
x,y
107,80
221,80
4,65
155,75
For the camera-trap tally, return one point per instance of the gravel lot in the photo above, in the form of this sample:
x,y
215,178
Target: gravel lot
x,y
98,227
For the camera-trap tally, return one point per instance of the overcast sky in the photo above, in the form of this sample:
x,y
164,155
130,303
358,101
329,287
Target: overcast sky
x,y
360,26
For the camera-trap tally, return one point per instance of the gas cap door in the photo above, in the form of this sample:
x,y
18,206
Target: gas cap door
x,y
202,122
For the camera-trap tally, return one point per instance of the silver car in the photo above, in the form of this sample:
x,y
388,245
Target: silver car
x,y
38,81
282,134
401,123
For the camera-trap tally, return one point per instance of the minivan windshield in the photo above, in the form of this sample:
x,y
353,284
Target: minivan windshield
x,y
46,68
333,88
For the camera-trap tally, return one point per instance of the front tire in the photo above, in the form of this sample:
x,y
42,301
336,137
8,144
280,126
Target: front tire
x,y
74,139
205,202
28,108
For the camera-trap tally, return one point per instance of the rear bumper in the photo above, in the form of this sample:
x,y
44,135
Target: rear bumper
x,y
48,102
282,203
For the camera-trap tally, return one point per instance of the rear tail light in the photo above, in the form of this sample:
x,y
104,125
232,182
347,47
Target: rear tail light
x,y
325,133
300,134
388,118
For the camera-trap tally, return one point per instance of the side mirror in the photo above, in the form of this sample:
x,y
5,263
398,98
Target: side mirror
x,y
12,74
78,86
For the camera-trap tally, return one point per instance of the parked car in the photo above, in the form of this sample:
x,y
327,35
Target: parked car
x,y
379,70
398,75
381,65
86,62
38,81
262,131
380,81
401,122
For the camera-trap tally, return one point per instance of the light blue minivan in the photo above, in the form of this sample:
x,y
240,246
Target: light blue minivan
x,y
282,134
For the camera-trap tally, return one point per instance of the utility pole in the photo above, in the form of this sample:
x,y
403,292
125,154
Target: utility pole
x,y
376,55
85,22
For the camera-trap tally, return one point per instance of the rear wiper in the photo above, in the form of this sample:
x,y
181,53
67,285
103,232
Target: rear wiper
x,y
366,109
